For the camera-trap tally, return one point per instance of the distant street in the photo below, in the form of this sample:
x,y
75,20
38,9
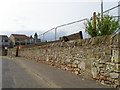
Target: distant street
x,y
21,73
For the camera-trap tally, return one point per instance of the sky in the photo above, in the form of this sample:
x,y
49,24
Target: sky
x,y
30,16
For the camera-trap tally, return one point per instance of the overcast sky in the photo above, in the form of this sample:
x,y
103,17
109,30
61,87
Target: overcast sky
x,y
29,16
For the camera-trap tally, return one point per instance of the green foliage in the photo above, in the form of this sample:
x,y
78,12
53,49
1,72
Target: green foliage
x,y
104,26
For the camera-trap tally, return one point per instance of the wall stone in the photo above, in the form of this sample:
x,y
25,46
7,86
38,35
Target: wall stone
x,y
97,57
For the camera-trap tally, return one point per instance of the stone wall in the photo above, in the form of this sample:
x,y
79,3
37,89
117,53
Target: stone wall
x,y
3,52
97,58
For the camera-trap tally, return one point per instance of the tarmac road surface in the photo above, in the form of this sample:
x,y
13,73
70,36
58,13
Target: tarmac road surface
x,y
15,76
23,73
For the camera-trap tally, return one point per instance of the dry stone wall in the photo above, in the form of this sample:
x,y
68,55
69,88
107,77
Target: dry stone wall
x,y
97,58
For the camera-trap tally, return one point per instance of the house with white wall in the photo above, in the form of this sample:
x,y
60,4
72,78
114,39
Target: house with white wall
x,y
19,39
4,41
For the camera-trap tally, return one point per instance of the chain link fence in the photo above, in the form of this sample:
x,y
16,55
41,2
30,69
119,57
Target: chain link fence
x,y
114,12
119,12
64,30
75,27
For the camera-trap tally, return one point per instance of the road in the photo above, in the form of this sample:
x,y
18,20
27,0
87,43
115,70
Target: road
x,y
23,73
15,76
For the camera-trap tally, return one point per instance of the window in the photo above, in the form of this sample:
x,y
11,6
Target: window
x,y
6,40
17,39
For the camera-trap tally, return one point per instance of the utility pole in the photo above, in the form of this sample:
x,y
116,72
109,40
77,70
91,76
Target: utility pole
x,y
102,10
119,12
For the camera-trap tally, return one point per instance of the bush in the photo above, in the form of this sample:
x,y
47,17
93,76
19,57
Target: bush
x,y
104,26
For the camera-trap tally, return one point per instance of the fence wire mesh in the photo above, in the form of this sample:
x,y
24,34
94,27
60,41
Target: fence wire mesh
x,y
75,27
119,12
64,30
114,12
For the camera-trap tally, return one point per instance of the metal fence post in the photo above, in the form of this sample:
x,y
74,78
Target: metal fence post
x,y
43,37
56,33
119,14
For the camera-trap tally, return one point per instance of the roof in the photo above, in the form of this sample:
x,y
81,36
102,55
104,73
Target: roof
x,y
4,37
74,36
20,36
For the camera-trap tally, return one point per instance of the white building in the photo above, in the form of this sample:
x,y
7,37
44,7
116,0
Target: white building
x,y
4,41
19,39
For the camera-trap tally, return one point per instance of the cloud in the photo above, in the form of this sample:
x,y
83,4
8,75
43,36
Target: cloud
x,y
30,16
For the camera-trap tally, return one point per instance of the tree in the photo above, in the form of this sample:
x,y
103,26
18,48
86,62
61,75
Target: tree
x,y
105,25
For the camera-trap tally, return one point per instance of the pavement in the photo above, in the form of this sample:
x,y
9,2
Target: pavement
x,y
23,73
